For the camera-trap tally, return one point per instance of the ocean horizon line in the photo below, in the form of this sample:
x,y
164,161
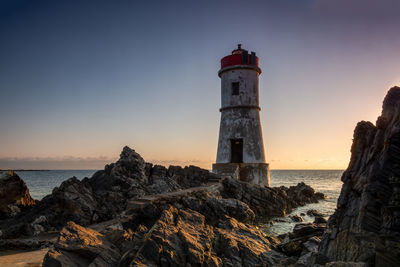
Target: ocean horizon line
x,y
79,169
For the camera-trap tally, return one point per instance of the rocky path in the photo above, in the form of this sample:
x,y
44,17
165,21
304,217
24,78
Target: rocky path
x,y
143,201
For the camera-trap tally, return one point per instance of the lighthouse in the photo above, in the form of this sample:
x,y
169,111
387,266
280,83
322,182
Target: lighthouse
x,y
240,145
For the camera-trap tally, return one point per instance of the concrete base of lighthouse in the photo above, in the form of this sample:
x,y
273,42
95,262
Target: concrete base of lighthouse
x,y
254,173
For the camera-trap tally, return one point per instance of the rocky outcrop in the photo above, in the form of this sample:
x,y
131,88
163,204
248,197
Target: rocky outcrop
x,y
179,237
183,236
99,198
14,194
79,246
200,226
366,225
135,214
270,202
131,177
72,200
108,193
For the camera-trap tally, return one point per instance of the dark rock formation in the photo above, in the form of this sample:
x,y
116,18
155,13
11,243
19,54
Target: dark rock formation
x,y
14,194
145,215
177,238
296,218
196,227
131,177
79,246
73,200
366,224
108,193
91,200
270,201
305,238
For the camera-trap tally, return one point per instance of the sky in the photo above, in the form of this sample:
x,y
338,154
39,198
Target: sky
x,y
81,79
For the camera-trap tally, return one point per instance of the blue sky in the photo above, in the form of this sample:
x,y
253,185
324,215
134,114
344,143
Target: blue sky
x,y
81,79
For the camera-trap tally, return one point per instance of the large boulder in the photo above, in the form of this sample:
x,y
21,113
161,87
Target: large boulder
x,y
79,246
366,224
72,200
14,194
270,201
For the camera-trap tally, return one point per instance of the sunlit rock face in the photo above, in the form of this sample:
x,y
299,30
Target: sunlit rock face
x,y
366,224
79,246
14,194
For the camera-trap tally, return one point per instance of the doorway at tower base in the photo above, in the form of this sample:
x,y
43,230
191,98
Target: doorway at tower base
x,y
254,173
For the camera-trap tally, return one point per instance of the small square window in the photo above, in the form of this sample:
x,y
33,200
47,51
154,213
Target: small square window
x,y
235,88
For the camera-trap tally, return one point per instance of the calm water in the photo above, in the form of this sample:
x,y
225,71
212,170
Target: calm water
x,y
41,183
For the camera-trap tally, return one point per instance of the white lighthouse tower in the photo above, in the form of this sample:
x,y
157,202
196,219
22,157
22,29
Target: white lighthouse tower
x,y
240,145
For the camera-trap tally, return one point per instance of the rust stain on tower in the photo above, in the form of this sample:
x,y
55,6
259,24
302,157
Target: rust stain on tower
x,y
240,145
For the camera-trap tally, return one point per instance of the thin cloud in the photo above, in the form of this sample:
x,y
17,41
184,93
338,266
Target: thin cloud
x,y
67,162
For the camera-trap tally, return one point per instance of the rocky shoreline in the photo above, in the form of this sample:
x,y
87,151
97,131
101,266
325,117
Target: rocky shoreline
x,y
134,213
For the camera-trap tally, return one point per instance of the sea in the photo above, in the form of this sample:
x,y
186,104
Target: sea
x,y
41,183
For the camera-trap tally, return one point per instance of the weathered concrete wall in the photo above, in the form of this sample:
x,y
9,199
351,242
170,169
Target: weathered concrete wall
x,y
226,169
248,90
255,173
240,116
241,123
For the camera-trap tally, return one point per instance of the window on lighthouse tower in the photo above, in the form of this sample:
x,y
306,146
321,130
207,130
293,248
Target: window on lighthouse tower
x,y
235,88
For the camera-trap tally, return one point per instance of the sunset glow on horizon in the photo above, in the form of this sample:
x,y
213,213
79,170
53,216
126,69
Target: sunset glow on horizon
x,y
79,81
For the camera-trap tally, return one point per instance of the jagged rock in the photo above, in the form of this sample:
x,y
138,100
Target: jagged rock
x,y
304,239
131,177
308,229
182,237
269,201
197,227
293,247
345,264
191,176
366,224
131,165
73,200
14,194
320,220
311,245
305,260
296,218
314,213
213,208
79,246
